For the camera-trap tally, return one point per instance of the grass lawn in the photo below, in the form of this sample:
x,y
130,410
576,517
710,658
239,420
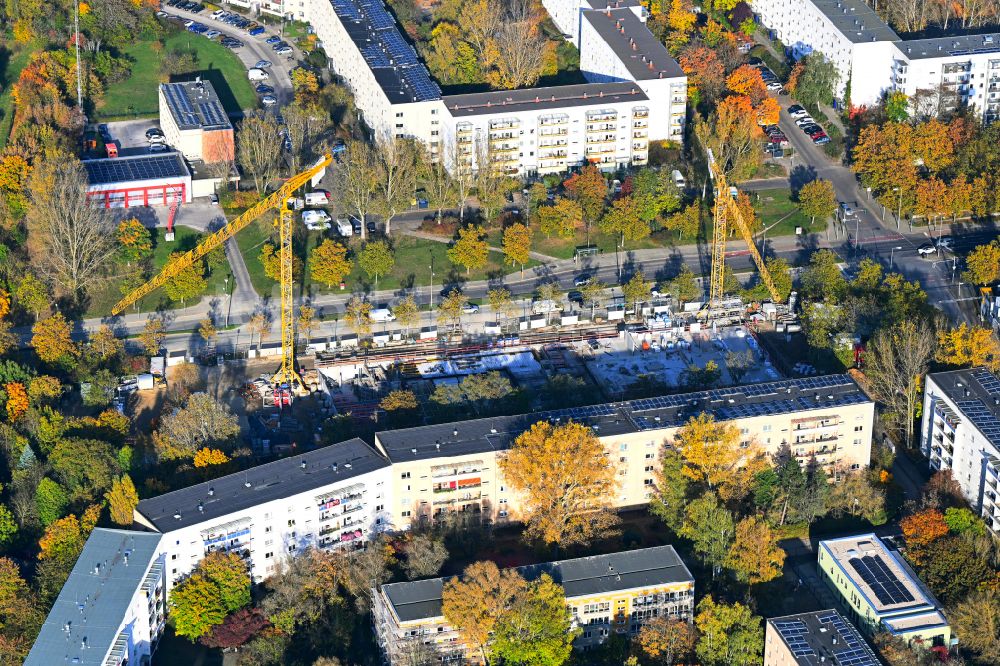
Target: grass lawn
x,y
185,238
11,64
779,214
565,248
137,96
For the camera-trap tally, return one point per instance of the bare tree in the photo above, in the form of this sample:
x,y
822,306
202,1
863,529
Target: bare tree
x,y
896,361
307,126
490,180
258,149
398,160
358,179
462,175
71,241
440,186
520,56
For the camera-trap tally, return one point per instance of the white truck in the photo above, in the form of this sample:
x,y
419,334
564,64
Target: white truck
x,y
316,199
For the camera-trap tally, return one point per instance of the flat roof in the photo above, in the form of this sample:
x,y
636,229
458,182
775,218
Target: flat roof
x,y
112,170
813,638
391,58
856,20
613,4
827,392
640,51
95,598
583,576
885,581
195,105
553,97
948,47
282,478
976,393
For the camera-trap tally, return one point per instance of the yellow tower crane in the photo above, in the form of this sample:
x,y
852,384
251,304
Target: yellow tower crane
x,y
726,212
287,373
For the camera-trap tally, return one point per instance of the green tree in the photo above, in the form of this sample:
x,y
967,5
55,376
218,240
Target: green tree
x,y
51,501
470,250
952,569
8,526
135,241
684,286
964,521
817,79
32,295
229,573
670,501
897,107
711,528
817,198
636,291
407,313
976,620
219,585
685,223
87,467
560,218
537,630
188,283
729,634
823,279
654,194
588,188
376,259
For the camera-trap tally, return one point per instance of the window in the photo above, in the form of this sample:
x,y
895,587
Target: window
x,y
858,428
404,475
623,447
399,114
291,523
399,125
268,556
291,548
857,442
434,112
647,482
267,530
405,514
379,507
268,542
434,132
503,501
174,556
766,428
623,459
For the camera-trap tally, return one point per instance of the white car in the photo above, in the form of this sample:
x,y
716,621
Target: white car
x,y
470,308
285,50
774,85
316,220
217,13
257,74
261,64
157,147
804,120
927,249
268,100
381,314
212,34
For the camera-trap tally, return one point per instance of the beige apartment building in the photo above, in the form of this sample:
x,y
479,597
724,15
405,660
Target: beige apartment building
x,y
613,593
454,466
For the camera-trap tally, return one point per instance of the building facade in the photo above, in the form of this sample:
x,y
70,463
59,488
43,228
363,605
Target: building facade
x,y
195,123
810,639
454,467
141,180
112,609
635,93
333,497
937,74
879,592
614,593
960,432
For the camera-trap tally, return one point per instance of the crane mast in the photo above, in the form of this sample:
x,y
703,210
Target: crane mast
x,y
287,374
727,212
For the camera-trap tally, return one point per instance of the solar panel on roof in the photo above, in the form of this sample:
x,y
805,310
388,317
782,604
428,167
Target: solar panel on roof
x,y
882,581
152,167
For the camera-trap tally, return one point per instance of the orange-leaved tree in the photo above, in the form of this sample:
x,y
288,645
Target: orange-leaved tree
x,y
922,529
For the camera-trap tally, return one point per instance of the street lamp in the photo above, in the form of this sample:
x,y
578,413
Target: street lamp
x,y
229,305
899,209
898,247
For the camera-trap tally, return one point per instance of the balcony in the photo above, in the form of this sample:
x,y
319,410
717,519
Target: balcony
x,y
640,112
601,127
504,124
557,119
595,116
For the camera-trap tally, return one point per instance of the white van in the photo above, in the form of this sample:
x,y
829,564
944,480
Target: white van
x,y
679,179
382,314
545,307
316,220
257,74
316,199
345,228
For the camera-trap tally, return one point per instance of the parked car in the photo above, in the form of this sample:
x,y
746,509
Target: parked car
x,y
104,131
927,249
773,86
257,74
845,210
212,34
470,308
316,220
256,31
284,51
268,100
355,224
273,39
796,111
157,147
802,121
582,279
345,228
263,64
264,89
371,227
820,139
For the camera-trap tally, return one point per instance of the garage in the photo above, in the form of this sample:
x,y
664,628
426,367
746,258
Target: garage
x,y
142,180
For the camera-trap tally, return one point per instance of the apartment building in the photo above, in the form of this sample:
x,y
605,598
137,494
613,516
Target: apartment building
x,y
438,469
333,497
880,592
873,60
810,639
960,431
614,593
635,92
195,123
112,609
291,9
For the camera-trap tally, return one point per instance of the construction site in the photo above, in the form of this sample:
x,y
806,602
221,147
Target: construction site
x,y
292,396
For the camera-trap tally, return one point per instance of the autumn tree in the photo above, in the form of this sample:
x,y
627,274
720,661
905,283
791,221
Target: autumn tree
x,y
976,620
636,291
328,263
594,294
358,313
734,137
706,73
500,302
713,455
187,283
400,399
366,570
589,189
568,483
209,457
135,241
425,555
219,585
982,265
755,556
623,219
817,198
747,80
207,330
561,218
20,615
236,630
407,313
358,177
376,259
71,242
922,528
666,640
259,325
32,295
517,244
475,602
470,250
202,421
52,340
122,499
969,346
153,333
257,150
270,260
398,161
729,635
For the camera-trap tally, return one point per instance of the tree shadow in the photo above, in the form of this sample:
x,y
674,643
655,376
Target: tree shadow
x,y
800,175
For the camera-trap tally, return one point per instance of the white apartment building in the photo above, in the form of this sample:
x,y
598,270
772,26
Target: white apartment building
x,y
292,9
332,497
112,609
636,92
960,431
873,60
